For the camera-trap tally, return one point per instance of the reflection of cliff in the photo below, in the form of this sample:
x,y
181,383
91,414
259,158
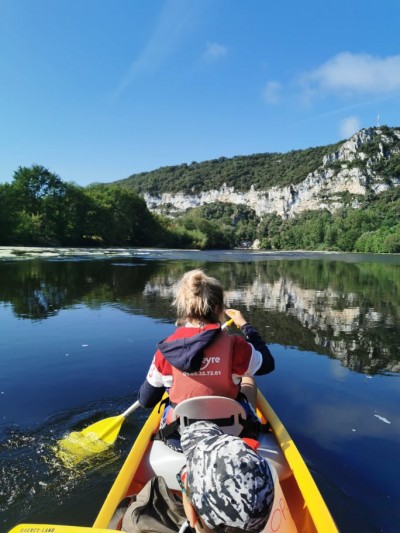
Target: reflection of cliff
x,y
350,311
340,324
363,339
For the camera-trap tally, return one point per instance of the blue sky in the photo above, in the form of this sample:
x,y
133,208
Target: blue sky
x,y
96,90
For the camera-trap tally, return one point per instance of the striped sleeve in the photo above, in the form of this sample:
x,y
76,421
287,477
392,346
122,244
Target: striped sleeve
x,y
160,372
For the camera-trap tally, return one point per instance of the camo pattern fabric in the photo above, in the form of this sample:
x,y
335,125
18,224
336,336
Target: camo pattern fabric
x,y
230,484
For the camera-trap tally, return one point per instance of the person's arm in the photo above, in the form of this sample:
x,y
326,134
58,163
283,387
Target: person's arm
x,y
253,337
153,388
148,395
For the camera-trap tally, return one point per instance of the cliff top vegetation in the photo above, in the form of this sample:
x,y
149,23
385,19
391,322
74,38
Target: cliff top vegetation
x,y
264,170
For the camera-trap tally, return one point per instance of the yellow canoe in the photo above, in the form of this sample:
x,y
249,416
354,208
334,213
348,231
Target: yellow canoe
x,y
298,504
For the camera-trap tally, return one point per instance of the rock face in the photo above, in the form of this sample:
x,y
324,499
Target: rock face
x,y
347,171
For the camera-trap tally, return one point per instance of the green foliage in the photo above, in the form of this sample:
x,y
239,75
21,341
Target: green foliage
x,y
37,196
118,216
372,228
382,240
38,208
205,233
392,241
226,225
7,211
35,185
260,170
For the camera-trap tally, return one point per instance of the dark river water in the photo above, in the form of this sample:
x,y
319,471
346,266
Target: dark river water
x,y
78,330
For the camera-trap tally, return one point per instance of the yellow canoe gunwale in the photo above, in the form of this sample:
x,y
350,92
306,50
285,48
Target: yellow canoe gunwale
x,y
316,506
54,528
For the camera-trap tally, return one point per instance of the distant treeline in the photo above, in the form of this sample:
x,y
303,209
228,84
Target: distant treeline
x,y
374,227
38,208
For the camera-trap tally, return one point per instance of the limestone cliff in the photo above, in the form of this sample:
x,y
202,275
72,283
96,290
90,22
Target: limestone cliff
x,y
359,165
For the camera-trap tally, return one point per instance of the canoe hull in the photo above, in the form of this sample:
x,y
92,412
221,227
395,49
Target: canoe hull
x,y
298,504
301,498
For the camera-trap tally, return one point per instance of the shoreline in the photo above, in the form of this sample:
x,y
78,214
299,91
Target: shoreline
x,y
21,253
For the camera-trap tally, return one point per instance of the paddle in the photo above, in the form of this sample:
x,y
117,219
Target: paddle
x,y
107,430
97,437
227,323
94,439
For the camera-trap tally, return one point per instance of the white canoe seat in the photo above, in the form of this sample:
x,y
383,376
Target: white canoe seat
x,y
224,412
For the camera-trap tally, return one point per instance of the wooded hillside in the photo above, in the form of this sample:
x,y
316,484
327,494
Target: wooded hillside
x,y
260,170
38,208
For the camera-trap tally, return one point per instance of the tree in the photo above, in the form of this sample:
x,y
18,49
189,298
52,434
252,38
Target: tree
x,y
39,200
34,184
74,217
119,216
269,226
7,214
392,241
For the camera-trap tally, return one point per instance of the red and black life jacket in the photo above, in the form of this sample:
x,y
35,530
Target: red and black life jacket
x,y
214,378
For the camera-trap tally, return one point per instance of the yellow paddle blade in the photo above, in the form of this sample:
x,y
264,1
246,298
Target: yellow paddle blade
x,y
106,430
76,447
95,439
92,440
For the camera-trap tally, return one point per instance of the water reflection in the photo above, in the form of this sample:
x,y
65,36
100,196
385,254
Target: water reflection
x,y
347,310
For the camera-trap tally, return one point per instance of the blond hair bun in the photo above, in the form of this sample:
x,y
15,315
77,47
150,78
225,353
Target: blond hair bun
x,y
199,297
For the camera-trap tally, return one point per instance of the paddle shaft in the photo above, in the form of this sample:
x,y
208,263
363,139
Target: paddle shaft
x,y
130,409
227,323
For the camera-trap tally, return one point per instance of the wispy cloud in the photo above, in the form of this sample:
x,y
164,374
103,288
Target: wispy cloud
x,y
354,74
349,126
175,21
214,51
272,92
